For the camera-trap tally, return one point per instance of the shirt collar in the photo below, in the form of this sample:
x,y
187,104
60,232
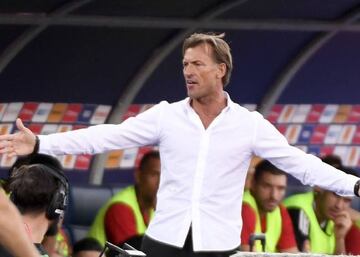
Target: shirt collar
x,y
229,103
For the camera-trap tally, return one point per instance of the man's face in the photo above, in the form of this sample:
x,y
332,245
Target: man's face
x,y
148,179
331,204
202,74
269,190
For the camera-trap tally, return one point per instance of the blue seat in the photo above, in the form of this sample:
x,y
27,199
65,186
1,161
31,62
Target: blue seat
x,y
78,232
85,202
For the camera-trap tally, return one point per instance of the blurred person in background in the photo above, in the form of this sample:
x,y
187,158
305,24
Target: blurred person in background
x,y
125,217
322,219
56,242
40,195
263,213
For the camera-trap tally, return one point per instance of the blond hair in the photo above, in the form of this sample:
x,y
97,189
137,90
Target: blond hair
x,y
221,50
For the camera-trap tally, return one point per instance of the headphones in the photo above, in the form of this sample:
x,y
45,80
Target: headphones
x,y
59,199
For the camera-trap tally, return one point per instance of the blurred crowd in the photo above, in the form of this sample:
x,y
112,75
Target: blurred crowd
x,y
276,217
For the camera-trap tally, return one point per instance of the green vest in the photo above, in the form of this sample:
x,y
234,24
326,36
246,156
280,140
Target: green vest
x,y
320,241
126,196
357,223
61,244
273,225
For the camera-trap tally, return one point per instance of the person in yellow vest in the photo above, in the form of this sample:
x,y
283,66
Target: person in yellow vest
x,y
263,213
322,219
125,217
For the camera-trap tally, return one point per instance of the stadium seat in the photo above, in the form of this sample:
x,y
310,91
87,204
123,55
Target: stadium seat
x,y
85,202
78,232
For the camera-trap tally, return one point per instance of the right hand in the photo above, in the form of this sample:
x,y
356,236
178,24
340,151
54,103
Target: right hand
x,y
20,143
342,223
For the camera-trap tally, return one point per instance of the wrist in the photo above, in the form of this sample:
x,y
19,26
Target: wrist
x,y
357,188
36,146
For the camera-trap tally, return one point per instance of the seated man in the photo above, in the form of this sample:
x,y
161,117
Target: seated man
x,y
263,213
39,192
321,218
125,217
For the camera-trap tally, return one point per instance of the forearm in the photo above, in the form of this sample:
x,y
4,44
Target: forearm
x,y
271,145
340,246
99,139
12,233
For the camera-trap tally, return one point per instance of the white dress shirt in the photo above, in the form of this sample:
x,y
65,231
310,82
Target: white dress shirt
x,y
202,170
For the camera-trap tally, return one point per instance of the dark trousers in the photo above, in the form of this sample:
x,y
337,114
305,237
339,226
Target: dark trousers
x,y
154,248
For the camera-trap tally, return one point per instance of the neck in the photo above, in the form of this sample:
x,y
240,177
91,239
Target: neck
x,y
144,205
262,213
36,225
210,105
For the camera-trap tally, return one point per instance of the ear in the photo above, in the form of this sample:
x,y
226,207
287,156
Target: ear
x,y
221,70
318,190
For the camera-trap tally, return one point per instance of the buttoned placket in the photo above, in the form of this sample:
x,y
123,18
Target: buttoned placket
x,y
200,172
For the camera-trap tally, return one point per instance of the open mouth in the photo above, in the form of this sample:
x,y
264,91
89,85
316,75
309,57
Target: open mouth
x,y
190,83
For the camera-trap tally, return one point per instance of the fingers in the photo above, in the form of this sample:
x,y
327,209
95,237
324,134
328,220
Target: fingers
x,y
342,223
5,143
20,125
6,137
7,146
8,149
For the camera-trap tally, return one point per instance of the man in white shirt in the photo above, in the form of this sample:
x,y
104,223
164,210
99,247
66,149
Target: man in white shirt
x,y
206,142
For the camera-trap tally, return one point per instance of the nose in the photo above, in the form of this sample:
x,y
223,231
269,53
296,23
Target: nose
x,y
274,194
340,204
188,70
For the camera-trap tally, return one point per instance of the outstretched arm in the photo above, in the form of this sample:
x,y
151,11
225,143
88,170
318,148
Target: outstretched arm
x,y
19,143
270,144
